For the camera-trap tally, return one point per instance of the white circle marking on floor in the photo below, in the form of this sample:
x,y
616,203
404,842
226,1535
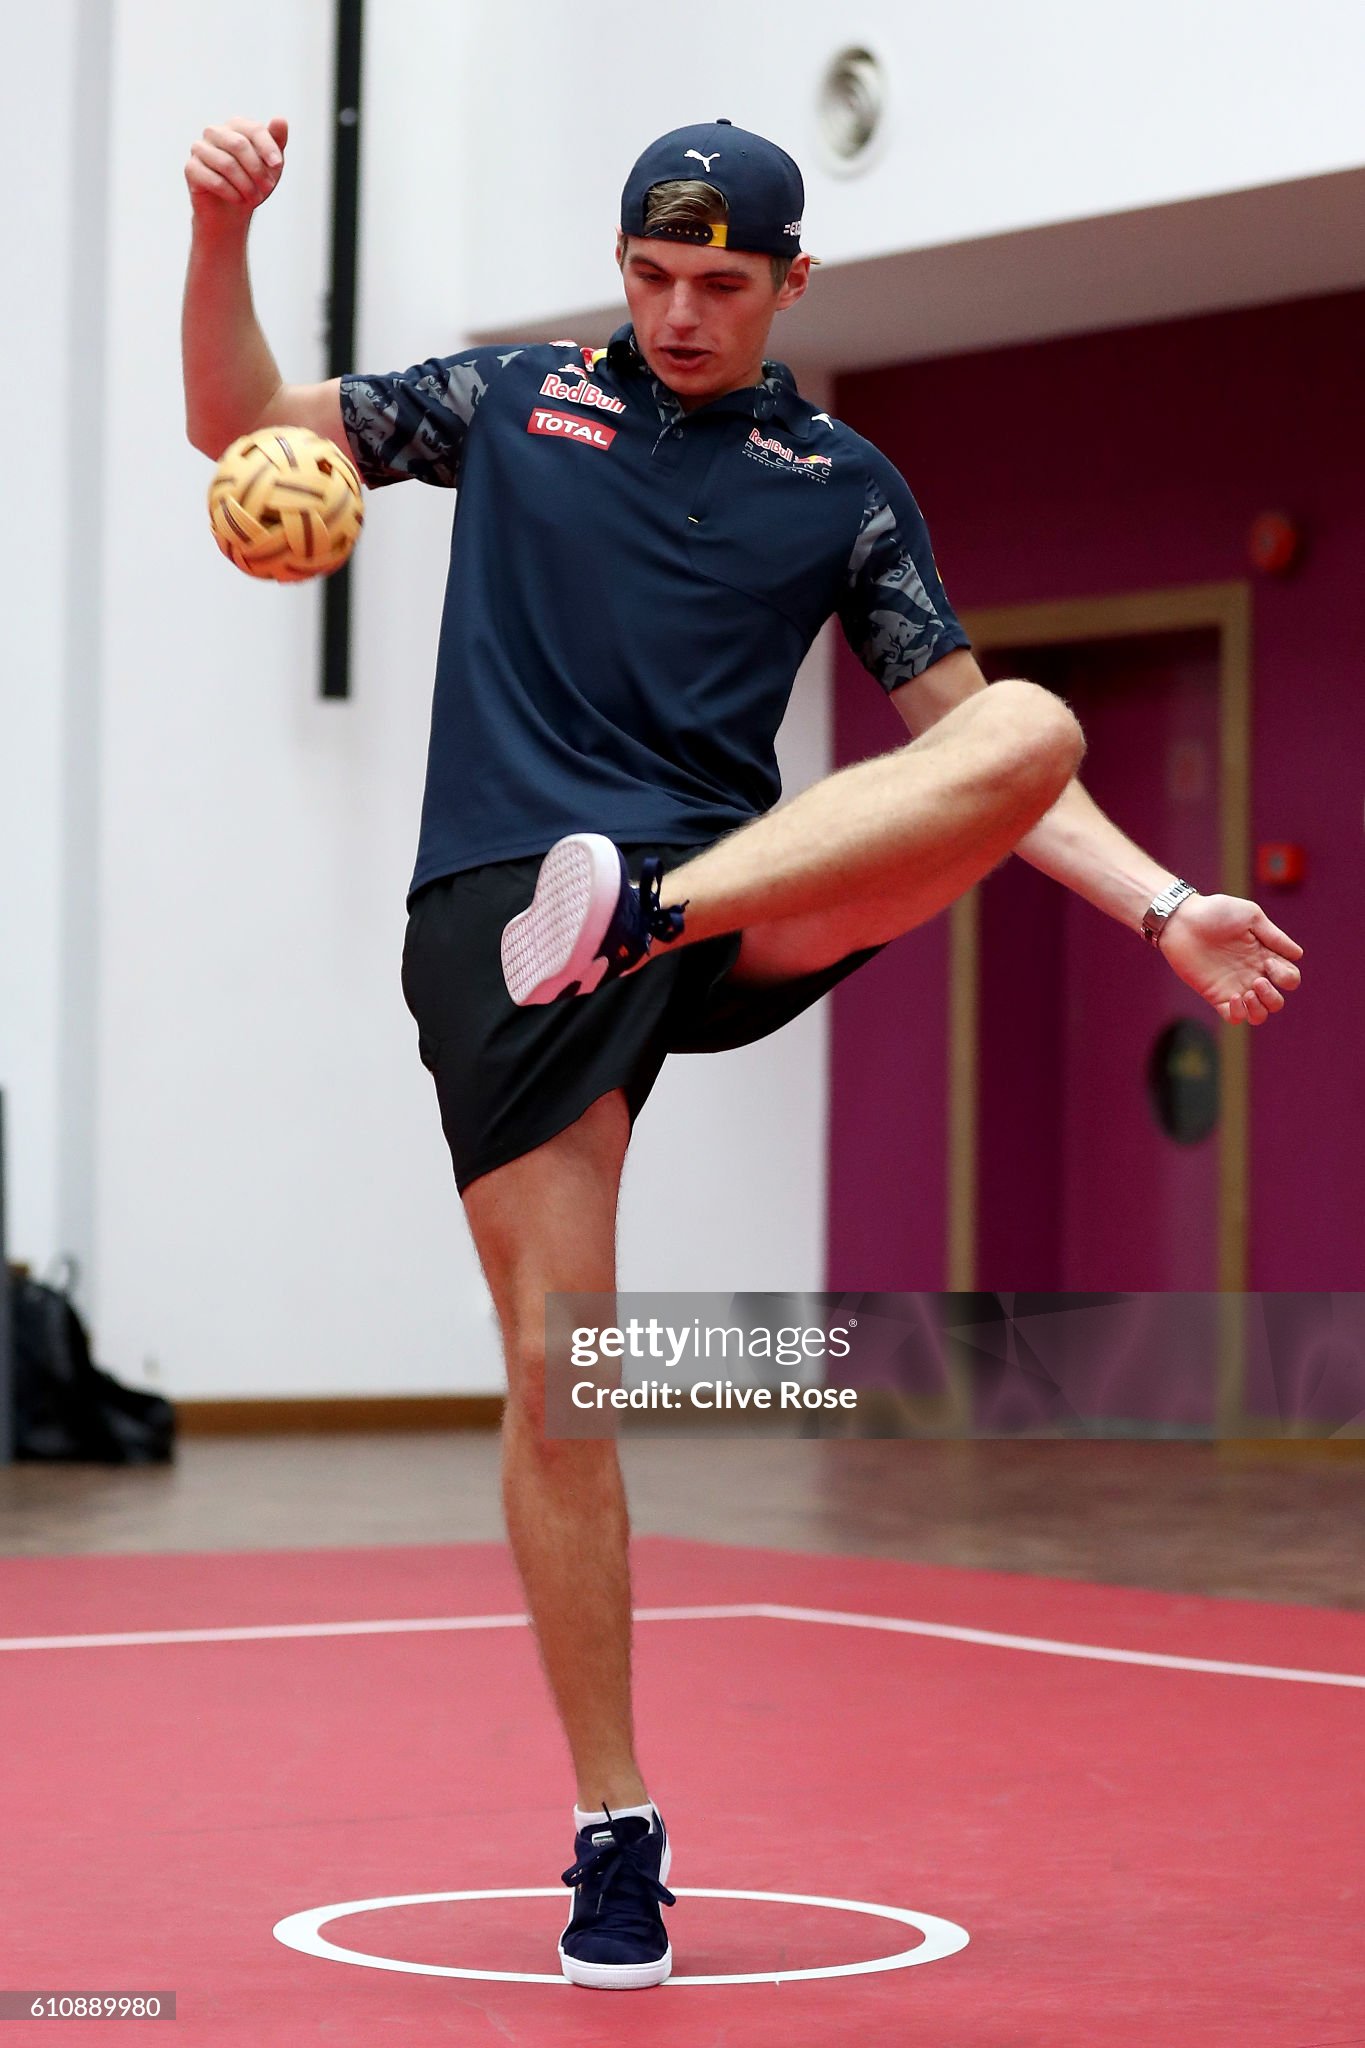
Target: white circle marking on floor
x,y
303,1931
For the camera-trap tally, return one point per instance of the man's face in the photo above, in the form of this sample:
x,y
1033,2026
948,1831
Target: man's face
x,y
701,316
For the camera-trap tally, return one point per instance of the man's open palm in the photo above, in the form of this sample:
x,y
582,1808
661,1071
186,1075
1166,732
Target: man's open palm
x,y
1229,952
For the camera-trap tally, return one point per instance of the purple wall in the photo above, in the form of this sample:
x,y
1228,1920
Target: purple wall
x,y
1127,461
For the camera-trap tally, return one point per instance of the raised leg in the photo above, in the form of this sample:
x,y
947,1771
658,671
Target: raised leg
x,y
884,845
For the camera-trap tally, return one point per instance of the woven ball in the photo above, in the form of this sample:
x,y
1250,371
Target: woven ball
x,y
285,503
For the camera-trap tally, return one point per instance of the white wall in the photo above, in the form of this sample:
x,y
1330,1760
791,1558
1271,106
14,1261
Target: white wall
x,y
271,1204
1042,170
38,356
274,1211
1003,118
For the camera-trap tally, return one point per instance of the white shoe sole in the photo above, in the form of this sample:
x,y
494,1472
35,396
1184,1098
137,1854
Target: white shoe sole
x,y
617,1976
622,1976
554,942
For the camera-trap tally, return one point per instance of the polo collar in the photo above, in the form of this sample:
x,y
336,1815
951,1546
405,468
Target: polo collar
x,y
775,398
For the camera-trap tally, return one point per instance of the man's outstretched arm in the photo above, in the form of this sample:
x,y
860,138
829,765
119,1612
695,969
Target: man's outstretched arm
x,y
1224,947
232,382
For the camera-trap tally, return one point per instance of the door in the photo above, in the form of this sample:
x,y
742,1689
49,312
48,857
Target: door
x,y
1097,1125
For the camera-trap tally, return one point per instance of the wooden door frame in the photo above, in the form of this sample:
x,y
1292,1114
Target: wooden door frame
x,y
1226,608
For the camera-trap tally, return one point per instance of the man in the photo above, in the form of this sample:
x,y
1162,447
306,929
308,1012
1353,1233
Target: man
x,y
647,539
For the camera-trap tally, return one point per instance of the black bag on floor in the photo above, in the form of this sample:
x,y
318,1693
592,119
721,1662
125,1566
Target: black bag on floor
x,y
64,1406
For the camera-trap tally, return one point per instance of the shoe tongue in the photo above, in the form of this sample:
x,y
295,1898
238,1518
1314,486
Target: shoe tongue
x,y
633,1828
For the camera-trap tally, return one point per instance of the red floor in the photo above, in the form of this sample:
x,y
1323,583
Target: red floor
x,y
1141,1856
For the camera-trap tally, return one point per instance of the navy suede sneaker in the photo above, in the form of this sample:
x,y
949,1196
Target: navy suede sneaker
x,y
587,921
615,1939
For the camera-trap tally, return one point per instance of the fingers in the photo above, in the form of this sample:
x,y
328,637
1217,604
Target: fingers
x,y
1262,1000
1282,974
239,160
206,182
1279,976
227,174
248,154
1270,935
1254,1005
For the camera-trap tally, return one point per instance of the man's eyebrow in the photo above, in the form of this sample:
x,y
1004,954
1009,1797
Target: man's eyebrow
x,y
731,271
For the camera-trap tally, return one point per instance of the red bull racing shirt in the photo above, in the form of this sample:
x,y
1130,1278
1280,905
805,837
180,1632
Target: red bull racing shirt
x,y
632,588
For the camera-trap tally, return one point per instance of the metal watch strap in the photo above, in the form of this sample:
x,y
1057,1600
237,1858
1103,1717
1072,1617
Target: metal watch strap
x,y
1157,915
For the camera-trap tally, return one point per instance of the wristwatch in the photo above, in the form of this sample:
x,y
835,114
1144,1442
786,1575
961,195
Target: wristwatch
x,y
1158,913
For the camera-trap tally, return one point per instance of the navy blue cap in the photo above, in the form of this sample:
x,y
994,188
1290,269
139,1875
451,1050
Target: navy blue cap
x,y
759,183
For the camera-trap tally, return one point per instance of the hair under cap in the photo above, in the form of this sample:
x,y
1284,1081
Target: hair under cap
x,y
759,182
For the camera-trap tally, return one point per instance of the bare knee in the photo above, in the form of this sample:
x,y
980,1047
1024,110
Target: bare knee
x,y
524,1413
1050,739
527,1423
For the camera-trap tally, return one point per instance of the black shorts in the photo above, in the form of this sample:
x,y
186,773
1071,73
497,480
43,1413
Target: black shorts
x,y
509,1078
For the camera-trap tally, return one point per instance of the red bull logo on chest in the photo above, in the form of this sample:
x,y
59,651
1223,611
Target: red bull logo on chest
x,y
580,392
775,454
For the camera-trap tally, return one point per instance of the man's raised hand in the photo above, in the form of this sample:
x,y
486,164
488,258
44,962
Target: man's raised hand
x,y
234,166
1229,952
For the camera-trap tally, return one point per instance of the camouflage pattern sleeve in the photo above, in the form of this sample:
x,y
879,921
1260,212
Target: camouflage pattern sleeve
x,y
894,610
413,423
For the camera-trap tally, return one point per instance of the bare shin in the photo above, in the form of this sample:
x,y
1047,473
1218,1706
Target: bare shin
x,y
546,1223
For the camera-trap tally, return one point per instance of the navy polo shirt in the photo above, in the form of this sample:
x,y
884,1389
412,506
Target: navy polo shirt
x,y
632,588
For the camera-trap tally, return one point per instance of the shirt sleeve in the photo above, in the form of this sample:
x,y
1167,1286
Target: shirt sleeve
x,y
414,423
894,610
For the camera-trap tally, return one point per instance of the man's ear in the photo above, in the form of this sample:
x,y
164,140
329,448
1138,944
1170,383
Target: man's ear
x,y
798,277
620,250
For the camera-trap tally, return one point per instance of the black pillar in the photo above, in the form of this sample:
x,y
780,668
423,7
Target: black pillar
x,y
336,589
